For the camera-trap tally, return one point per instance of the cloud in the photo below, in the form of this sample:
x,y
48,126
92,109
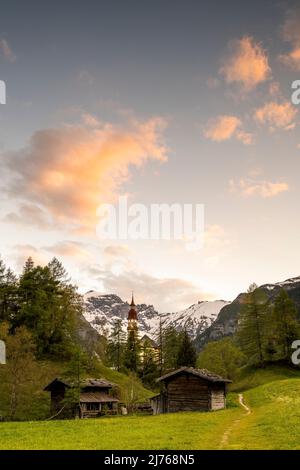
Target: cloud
x,y
225,127
68,248
274,89
29,214
291,34
166,294
7,51
69,171
84,77
20,253
247,65
215,237
90,120
276,115
244,137
291,59
212,83
249,187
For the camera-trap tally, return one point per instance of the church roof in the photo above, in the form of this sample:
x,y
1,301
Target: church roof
x,y
132,301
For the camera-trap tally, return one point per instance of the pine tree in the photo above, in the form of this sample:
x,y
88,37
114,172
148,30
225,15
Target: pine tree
x,y
29,265
285,327
171,340
251,331
132,352
187,355
58,272
116,345
2,272
49,307
150,368
8,292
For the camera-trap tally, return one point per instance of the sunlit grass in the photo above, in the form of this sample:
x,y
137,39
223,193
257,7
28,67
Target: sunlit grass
x,y
173,431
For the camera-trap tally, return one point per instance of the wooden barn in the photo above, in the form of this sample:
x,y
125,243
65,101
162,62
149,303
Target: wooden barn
x,y
94,398
189,389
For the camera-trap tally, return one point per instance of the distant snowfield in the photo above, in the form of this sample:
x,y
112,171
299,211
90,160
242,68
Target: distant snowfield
x,y
102,310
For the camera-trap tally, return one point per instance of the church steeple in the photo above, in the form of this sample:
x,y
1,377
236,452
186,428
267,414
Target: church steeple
x,y
132,317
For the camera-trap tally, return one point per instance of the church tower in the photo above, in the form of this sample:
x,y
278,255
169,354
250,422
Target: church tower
x,y
132,327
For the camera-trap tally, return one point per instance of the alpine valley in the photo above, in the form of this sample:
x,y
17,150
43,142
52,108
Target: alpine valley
x,y
205,321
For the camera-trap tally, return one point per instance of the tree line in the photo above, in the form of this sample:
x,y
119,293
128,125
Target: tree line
x,y
45,302
172,349
266,329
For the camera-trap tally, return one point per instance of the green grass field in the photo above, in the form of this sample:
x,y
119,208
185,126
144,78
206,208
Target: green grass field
x,y
272,394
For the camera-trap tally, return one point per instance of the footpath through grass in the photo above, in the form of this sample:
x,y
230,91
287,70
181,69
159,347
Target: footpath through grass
x,y
274,422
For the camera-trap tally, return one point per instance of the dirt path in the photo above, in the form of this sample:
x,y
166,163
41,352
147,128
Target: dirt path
x,y
225,437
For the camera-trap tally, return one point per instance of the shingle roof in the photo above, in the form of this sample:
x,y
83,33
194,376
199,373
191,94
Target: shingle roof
x,y
203,373
96,397
101,383
96,383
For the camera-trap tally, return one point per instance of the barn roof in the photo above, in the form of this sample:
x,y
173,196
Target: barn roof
x,y
100,383
96,397
203,373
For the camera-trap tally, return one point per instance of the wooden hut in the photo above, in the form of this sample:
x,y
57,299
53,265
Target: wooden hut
x,y
94,398
189,389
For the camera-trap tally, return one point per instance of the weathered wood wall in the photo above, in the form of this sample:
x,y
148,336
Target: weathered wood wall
x,y
187,392
218,400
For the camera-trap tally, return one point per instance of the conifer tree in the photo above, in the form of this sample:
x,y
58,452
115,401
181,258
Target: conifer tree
x,y
8,292
132,352
284,326
116,345
171,340
150,366
251,332
187,355
49,307
29,265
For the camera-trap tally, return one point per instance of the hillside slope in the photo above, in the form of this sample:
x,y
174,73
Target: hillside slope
x,y
226,321
273,423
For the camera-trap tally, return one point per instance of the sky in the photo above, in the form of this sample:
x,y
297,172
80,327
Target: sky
x,y
162,101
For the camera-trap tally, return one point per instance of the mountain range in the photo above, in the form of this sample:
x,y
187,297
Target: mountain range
x,y
102,310
205,320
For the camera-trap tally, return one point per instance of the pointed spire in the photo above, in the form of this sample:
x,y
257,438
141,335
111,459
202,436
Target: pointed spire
x,y
132,301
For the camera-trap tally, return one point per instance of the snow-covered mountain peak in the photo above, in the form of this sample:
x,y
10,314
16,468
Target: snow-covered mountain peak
x,y
102,310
